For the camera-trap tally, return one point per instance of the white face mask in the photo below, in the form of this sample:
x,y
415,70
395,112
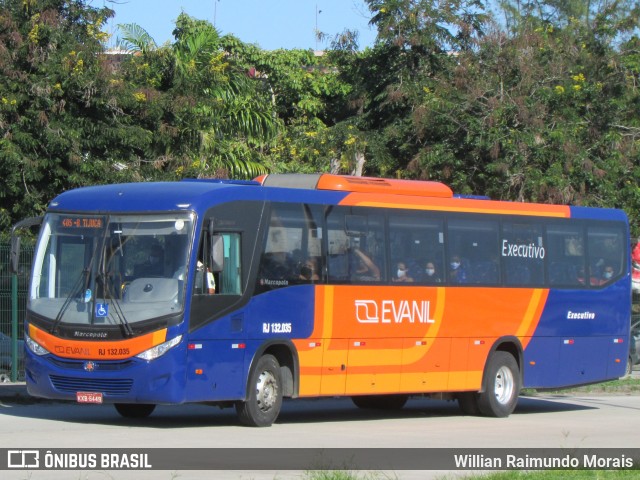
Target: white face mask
x,y
455,265
430,271
608,275
401,273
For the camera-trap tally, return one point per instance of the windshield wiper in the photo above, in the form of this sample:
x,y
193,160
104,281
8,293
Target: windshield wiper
x,y
103,278
119,313
78,285
85,292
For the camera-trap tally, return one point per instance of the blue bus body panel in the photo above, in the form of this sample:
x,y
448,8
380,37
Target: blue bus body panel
x,y
196,196
582,337
131,381
226,347
590,213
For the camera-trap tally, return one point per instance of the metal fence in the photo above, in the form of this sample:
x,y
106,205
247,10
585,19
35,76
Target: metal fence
x,y
6,352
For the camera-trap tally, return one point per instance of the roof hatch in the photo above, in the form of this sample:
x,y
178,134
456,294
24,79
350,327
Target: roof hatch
x,y
344,183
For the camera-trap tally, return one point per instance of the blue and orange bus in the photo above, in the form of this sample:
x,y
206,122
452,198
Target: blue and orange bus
x,y
240,293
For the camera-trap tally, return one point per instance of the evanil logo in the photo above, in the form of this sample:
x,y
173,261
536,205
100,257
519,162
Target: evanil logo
x,y
391,311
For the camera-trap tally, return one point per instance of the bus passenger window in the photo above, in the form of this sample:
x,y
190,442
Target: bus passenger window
x,y
225,282
416,240
292,251
473,252
566,256
356,245
522,250
606,248
230,278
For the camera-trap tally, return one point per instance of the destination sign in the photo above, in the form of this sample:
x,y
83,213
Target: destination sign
x,y
81,222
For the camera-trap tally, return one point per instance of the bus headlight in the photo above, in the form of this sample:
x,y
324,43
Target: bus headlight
x,y
159,350
35,347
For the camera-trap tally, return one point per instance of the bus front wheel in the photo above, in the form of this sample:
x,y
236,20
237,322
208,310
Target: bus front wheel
x,y
264,395
501,386
135,410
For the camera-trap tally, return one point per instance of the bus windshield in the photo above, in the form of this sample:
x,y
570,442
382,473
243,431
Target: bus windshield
x,y
110,269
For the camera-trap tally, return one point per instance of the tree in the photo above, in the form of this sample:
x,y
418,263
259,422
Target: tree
x,y
51,105
417,39
222,118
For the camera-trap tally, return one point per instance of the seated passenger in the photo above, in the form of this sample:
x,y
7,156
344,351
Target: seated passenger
x,y
309,270
366,269
402,273
457,272
607,275
430,274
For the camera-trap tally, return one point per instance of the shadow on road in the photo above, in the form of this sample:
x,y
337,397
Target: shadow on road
x,y
302,411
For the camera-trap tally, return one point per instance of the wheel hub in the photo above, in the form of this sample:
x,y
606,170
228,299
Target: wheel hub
x,y
267,391
504,385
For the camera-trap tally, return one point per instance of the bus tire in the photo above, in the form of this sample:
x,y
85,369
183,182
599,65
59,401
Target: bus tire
x,y
380,402
468,403
501,386
135,410
264,395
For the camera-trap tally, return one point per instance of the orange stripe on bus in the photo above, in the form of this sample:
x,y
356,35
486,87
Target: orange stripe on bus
x,y
456,205
532,316
377,186
103,350
404,337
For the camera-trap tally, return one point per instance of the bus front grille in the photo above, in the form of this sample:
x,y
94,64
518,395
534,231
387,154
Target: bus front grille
x,y
102,365
110,387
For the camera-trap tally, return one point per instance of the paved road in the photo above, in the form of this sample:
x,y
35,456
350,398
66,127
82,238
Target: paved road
x,y
543,421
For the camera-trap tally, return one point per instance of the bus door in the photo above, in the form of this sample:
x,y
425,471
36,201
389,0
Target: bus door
x,y
218,325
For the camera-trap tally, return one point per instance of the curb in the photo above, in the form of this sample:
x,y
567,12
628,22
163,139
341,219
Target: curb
x,y
14,391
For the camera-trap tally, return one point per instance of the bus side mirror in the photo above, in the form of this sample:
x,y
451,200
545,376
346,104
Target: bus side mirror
x,y
217,253
14,261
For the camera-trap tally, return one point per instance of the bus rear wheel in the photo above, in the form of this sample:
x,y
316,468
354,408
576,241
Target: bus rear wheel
x,y
501,386
380,402
264,395
135,410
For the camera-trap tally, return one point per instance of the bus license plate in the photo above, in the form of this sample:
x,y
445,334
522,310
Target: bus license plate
x,y
89,397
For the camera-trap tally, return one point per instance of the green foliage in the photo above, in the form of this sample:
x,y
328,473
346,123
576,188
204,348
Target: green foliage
x,y
135,39
538,106
541,112
554,474
50,77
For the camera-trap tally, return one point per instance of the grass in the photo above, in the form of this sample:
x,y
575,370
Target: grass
x,y
347,475
626,386
564,474
511,475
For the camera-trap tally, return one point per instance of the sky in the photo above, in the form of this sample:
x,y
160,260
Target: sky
x,y
270,24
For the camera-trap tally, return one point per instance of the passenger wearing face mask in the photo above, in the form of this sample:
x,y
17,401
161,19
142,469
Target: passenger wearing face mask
x,y
430,275
457,273
402,273
607,275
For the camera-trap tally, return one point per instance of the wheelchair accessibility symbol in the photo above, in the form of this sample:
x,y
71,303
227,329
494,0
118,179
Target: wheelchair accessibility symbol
x,y
102,309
